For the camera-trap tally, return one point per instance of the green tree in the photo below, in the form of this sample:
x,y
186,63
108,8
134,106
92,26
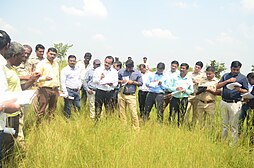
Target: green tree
x,y
219,67
62,50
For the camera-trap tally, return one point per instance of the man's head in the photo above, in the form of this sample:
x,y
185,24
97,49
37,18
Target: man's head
x,y
28,51
250,78
117,65
72,61
96,63
210,72
184,69
142,68
39,50
198,66
51,54
129,65
235,68
174,65
160,68
15,53
144,59
108,62
87,57
5,41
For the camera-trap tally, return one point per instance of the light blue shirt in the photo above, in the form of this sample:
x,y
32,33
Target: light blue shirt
x,y
185,82
88,81
71,78
154,79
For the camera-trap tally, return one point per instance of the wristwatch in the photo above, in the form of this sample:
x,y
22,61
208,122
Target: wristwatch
x,y
2,106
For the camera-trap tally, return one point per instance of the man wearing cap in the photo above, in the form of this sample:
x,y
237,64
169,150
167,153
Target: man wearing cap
x,y
106,79
71,84
129,79
90,87
231,99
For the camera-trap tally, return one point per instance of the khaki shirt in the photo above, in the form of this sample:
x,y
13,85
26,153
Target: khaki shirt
x,y
207,96
33,62
45,68
196,78
24,69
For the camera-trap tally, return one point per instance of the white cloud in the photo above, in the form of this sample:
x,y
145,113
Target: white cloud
x,y
248,31
200,49
158,33
248,5
94,8
6,26
99,37
211,42
181,5
72,11
34,30
225,38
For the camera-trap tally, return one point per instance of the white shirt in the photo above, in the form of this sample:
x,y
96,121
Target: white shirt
x,y
83,69
144,78
111,76
3,89
71,78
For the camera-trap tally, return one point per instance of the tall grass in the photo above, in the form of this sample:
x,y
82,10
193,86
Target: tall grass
x,y
80,143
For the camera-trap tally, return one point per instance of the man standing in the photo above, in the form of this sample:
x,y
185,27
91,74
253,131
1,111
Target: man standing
x,y
71,84
181,87
39,51
206,94
170,74
106,79
90,87
157,84
196,76
143,90
231,99
129,78
48,84
146,63
84,66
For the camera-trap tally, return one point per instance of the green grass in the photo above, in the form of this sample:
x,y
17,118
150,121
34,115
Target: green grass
x,y
81,143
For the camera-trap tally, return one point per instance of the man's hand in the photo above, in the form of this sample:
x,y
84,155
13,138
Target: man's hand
x,y
179,88
159,83
11,106
231,80
102,76
237,88
90,92
48,78
130,82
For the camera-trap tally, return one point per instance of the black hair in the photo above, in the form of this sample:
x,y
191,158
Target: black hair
x,y
185,64
39,46
199,63
4,39
236,64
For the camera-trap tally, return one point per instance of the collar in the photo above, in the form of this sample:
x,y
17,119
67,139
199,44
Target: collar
x,y
158,73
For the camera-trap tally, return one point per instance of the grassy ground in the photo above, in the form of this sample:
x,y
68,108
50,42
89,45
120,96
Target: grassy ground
x,y
80,143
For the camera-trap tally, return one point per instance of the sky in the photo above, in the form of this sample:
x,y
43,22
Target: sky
x,y
162,30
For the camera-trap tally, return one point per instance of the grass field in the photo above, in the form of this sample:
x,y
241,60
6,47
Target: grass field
x,y
79,143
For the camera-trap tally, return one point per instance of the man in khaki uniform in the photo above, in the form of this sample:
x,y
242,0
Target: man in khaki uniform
x,y
196,76
39,51
206,95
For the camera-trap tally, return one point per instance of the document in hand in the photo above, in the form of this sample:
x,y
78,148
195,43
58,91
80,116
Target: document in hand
x,y
23,97
175,92
248,96
231,86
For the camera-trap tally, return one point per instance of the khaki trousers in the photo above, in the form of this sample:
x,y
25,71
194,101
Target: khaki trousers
x,y
205,113
124,101
230,116
91,102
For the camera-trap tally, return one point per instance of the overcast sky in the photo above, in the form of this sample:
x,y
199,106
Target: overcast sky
x,y
162,30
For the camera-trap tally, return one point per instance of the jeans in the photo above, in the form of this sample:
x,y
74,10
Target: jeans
x,y
68,102
178,106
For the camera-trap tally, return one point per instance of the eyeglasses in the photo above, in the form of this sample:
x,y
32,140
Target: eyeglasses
x,y
98,64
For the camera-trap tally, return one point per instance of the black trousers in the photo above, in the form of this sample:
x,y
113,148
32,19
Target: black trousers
x,y
156,99
106,98
178,106
142,101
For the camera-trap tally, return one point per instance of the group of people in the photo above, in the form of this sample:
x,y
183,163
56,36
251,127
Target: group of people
x,y
108,83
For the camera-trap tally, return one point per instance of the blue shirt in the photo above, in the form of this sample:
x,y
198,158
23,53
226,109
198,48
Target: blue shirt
x,y
133,75
154,79
185,82
233,94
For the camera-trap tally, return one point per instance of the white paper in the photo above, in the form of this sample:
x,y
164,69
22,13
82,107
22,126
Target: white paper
x,y
127,79
175,92
231,86
248,96
23,97
66,96
9,130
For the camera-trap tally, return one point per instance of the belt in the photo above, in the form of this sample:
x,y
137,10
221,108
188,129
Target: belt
x,y
51,88
206,102
107,91
129,93
92,89
75,90
231,101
